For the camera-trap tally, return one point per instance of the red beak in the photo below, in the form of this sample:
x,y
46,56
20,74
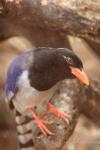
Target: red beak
x,y
80,74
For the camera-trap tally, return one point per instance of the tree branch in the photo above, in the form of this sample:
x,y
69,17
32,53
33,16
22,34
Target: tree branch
x,y
91,102
78,18
73,99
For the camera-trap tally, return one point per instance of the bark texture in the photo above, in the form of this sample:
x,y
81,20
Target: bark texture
x,y
72,98
78,18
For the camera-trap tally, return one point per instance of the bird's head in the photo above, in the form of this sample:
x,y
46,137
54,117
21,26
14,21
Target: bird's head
x,y
74,66
52,65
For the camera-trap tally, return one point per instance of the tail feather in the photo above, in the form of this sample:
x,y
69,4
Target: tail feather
x,y
24,127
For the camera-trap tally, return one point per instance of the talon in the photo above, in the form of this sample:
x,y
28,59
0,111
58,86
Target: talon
x,y
47,122
41,123
53,110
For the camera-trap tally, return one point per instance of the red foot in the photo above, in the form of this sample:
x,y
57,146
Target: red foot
x,y
41,123
53,109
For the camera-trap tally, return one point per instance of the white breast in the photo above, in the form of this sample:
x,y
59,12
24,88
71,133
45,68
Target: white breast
x,y
28,96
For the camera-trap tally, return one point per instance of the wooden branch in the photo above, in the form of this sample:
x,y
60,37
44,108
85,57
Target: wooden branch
x,y
90,103
73,99
78,18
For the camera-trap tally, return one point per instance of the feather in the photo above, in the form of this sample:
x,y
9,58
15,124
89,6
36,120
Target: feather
x,y
16,68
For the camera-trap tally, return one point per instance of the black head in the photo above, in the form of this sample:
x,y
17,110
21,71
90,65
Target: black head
x,y
52,65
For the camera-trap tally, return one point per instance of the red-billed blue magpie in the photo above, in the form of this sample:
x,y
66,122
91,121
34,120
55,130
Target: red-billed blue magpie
x,y
32,79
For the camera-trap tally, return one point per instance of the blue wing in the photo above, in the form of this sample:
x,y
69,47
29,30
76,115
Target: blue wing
x,y
13,73
18,65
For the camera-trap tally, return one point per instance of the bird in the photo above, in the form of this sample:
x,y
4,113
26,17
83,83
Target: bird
x,y
34,76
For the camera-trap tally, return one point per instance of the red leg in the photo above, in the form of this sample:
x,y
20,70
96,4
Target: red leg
x,y
53,109
41,123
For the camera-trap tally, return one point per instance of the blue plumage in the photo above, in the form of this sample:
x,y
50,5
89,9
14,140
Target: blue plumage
x,y
12,76
15,70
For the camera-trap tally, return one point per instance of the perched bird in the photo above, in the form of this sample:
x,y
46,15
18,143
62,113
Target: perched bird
x,y
34,76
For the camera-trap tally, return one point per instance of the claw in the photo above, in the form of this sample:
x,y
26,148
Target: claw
x,y
52,109
41,123
47,122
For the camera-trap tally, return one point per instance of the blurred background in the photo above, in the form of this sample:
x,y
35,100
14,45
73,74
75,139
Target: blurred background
x,y
87,134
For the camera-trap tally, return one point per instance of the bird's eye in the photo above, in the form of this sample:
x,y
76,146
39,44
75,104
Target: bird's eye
x,y
69,60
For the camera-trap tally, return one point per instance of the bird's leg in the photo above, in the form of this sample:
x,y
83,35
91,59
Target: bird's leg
x,y
53,110
41,123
